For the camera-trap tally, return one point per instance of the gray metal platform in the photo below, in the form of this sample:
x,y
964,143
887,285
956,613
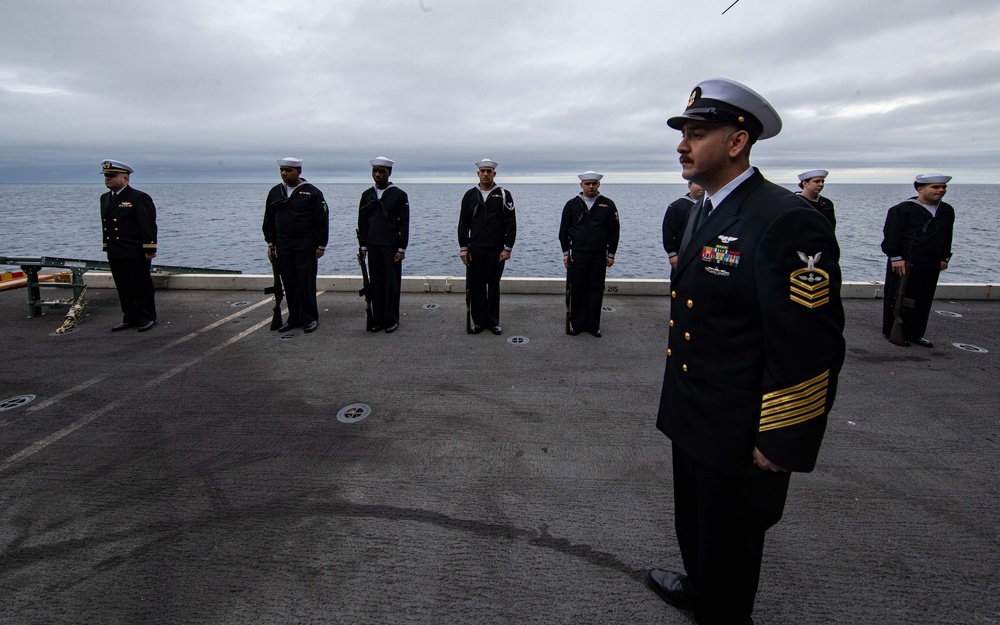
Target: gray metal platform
x,y
198,473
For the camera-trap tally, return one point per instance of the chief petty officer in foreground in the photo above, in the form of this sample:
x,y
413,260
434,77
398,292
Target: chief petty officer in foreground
x,y
755,347
487,227
129,221
588,234
296,228
383,233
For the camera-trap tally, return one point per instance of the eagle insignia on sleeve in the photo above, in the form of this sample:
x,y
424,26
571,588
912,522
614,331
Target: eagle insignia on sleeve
x,y
809,286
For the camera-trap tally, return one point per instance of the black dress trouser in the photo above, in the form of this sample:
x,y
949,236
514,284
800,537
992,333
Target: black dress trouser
x,y
920,288
589,272
297,267
485,271
720,522
386,280
136,292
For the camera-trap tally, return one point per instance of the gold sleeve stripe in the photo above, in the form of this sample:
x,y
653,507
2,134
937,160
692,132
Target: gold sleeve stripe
x,y
805,417
149,246
810,390
820,403
798,387
820,395
795,404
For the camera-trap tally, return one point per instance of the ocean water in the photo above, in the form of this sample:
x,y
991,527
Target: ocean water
x,y
218,226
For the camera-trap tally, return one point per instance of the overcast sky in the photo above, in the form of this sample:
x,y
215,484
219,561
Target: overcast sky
x,y
188,90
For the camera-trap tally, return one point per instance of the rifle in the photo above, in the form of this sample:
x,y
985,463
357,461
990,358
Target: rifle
x,y
569,295
365,290
468,295
279,294
896,336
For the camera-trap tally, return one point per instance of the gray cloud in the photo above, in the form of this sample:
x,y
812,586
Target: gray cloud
x,y
216,91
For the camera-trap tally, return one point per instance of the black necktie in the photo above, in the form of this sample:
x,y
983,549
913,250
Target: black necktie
x,y
706,210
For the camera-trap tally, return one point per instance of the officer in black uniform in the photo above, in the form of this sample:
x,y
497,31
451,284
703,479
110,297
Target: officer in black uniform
x,y
588,234
675,220
129,219
383,233
812,182
917,239
755,347
296,228
487,227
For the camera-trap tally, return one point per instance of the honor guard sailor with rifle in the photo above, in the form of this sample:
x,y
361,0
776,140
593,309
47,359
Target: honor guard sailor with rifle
x,y
296,227
917,241
588,234
755,347
487,227
675,220
812,182
383,233
129,221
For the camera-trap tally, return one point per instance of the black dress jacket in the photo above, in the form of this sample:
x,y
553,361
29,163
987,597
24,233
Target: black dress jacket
x,y
756,332
384,222
299,220
129,224
674,223
487,224
594,230
912,233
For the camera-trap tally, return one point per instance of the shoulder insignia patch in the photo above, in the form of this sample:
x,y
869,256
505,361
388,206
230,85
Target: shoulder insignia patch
x,y
809,286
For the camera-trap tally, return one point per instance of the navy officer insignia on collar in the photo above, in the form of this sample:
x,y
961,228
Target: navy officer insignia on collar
x,y
809,286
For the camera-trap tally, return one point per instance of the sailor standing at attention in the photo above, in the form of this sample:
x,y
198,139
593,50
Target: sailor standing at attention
x,y
383,233
129,220
487,227
296,228
755,347
588,234
917,241
812,182
675,220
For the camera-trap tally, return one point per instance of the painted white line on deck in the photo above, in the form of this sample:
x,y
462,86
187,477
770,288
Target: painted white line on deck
x,y
211,326
76,389
76,425
48,440
155,352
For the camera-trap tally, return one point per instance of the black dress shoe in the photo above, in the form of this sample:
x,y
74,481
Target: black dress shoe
x,y
475,329
674,588
392,328
146,327
596,333
376,329
312,326
922,342
496,330
285,327
573,332
118,327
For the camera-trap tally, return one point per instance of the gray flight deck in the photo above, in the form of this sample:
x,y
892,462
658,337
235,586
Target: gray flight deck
x,y
198,473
